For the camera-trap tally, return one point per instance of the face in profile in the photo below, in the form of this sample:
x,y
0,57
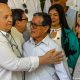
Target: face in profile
x,y
5,18
37,29
21,25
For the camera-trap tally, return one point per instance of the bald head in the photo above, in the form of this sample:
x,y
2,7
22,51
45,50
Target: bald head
x,y
3,6
5,17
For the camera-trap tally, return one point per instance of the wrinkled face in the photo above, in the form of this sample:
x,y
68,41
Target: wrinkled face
x,y
37,29
21,25
54,17
78,19
5,18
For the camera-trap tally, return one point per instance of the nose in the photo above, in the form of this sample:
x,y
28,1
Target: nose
x,y
52,16
10,18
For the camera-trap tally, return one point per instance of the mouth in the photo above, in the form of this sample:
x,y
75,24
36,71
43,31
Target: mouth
x,y
10,25
53,21
32,32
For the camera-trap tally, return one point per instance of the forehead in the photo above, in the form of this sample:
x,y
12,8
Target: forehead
x,y
53,11
37,19
4,10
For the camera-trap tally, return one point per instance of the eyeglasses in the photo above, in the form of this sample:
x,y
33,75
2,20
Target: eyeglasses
x,y
25,7
34,25
26,19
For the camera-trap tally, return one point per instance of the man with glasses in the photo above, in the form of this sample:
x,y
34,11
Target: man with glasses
x,y
19,26
38,44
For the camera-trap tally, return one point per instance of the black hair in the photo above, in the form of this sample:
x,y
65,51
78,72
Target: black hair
x,y
17,14
4,1
61,13
46,19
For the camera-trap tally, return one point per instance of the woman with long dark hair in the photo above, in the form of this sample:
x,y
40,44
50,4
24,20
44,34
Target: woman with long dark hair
x,y
63,35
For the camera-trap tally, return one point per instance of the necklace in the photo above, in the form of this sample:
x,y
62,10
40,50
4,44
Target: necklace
x,y
55,30
11,44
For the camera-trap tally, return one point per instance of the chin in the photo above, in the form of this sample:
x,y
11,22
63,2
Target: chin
x,y
33,36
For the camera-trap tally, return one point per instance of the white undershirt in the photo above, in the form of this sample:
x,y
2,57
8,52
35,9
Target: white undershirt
x,y
57,38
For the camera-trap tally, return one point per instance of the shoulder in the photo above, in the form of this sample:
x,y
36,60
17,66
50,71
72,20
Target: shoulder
x,y
69,32
72,11
15,33
53,44
70,37
26,44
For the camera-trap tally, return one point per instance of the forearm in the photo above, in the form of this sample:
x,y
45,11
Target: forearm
x,y
10,61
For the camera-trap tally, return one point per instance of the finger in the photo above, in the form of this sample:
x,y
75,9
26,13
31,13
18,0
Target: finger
x,y
59,59
60,55
57,62
52,51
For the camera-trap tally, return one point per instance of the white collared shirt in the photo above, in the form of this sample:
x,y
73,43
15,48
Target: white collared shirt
x,y
10,64
45,72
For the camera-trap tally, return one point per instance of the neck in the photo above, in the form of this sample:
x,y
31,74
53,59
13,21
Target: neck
x,y
56,27
39,39
8,31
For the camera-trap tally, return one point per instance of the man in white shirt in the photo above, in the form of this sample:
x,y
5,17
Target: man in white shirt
x,y
40,43
10,64
69,12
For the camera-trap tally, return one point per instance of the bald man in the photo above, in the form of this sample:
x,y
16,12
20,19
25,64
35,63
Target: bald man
x,y
10,64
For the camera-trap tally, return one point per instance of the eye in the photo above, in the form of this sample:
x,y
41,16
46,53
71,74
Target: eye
x,y
5,17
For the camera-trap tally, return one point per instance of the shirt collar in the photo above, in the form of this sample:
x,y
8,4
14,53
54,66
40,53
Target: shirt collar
x,y
3,32
44,41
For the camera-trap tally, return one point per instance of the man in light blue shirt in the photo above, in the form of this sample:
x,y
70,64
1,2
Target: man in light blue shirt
x,y
37,45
